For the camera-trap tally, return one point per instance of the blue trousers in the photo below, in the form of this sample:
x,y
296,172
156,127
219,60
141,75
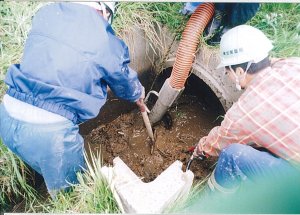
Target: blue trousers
x,y
240,162
54,150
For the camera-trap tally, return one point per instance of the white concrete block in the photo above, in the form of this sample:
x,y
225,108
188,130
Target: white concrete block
x,y
135,196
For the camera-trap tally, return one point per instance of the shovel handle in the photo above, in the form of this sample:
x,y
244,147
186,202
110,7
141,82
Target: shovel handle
x,y
148,125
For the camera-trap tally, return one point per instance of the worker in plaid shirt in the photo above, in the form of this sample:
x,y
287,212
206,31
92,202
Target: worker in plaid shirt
x,y
260,134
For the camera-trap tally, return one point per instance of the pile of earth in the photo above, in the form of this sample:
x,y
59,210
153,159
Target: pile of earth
x,y
126,137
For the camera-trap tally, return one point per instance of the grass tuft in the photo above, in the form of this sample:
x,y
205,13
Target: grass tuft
x,y
15,22
13,180
280,22
149,19
91,195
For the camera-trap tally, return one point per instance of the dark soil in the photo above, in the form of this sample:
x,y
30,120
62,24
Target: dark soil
x,y
126,137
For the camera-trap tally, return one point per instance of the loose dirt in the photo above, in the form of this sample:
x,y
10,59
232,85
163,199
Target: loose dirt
x,y
126,137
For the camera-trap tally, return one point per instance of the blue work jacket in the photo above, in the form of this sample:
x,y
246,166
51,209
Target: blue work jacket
x,y
70,56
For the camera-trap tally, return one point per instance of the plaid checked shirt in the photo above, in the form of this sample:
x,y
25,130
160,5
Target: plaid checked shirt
x,y
267,113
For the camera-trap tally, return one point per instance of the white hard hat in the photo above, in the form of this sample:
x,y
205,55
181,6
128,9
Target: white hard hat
x,y
111,8
98,5
243,44
111,5
94,5
102,6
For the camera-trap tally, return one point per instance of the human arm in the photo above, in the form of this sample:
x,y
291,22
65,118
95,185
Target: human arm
x,y
127,86
122,79
233,129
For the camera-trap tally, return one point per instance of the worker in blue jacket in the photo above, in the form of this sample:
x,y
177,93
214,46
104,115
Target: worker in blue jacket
x,y
70,57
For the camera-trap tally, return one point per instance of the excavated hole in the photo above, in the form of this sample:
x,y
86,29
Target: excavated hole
x,y
196,112
119,131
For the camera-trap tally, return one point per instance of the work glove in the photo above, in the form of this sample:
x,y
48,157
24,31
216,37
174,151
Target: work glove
x,y
140,102
198,154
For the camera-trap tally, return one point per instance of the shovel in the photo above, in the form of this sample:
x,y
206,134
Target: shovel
x,y
149,129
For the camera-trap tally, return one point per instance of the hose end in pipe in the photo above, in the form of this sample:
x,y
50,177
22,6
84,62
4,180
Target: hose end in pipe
x,y
184,60
166,97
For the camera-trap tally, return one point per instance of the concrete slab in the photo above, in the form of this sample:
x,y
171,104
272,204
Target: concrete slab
x,y
135,196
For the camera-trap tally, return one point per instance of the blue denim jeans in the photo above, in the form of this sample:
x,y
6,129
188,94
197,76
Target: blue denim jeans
x,y
240,162
54,150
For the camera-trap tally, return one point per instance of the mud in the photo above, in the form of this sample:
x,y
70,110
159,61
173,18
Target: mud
x,y
126,137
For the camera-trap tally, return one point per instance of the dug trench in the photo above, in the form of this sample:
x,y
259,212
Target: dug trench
x,y
195,113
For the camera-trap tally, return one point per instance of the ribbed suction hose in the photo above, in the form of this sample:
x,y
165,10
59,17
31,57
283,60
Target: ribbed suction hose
x,y
188,45
185,55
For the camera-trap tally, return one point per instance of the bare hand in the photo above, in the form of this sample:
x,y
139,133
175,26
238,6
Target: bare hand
x,y
140,103
199,154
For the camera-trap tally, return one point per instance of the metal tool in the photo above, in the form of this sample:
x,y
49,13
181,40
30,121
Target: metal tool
x,y
201,157
188,166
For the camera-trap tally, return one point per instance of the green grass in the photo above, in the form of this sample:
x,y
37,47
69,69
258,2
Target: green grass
x,y
131,13
13,180
147,17
15,22
281,23
91,195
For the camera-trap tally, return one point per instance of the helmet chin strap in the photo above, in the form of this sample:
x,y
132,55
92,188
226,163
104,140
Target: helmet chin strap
x,y
237,81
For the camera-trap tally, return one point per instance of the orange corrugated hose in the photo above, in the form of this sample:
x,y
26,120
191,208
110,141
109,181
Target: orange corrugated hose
x,y
188,44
